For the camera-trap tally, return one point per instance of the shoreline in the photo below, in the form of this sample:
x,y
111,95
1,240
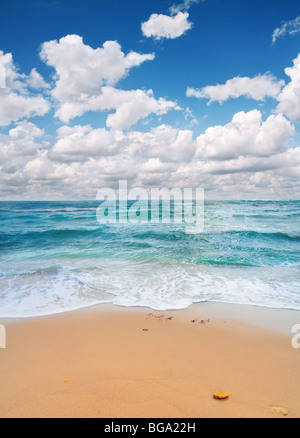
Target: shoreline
x,y
111,361
271,318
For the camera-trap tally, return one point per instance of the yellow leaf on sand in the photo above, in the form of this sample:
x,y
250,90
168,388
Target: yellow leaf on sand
x,y
281,411
66,381
221,394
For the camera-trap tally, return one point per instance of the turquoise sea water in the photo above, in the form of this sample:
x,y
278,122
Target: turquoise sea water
x,y
55,256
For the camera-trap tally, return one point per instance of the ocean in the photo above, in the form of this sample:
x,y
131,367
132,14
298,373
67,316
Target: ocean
x,y
56,257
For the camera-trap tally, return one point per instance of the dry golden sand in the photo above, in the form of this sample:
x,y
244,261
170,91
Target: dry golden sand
x,y
112,362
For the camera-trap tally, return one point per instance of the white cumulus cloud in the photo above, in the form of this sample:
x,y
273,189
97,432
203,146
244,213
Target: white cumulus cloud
x,y
81,71
80,143
257,88
245,135
85,79
18,146
129,106
16,102
164,26
248,153
289,98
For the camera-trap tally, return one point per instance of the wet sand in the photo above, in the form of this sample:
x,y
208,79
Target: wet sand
x,y
114,362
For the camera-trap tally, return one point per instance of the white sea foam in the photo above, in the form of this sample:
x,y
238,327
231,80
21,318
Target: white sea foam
x,y
158,286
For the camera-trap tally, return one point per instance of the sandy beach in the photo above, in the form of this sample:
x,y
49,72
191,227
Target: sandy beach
x,y
114,362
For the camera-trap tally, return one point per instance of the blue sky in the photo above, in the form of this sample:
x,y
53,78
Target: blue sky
x,y
176,94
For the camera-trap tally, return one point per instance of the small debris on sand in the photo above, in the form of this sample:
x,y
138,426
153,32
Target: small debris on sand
x,y
220,394
160,317
200,322
281,411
